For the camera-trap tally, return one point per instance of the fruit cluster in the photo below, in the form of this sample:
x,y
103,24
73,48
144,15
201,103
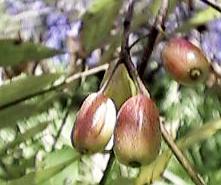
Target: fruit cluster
x,y
136,128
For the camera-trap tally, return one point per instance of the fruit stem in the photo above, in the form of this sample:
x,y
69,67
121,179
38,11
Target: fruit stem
x,y
125,57
68,109
196,178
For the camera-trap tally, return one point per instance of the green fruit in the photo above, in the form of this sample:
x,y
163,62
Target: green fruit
x,y
137,134
94,124
185,62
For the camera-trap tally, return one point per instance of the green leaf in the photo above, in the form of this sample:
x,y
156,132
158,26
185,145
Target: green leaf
x,y
42,175
69,174
10,116
14,52
153,171
114,173
2,182
121,86
154,7
98,22
202,17
215,177
18,169
176,169
151,10
57,157
108,55
20,88
23,137
115,176
66,176
123,181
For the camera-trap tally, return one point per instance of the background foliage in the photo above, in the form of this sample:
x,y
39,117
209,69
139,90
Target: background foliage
x,y
44,42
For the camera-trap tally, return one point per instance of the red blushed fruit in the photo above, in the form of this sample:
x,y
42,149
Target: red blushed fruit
x,y
185,62
137,134
94,124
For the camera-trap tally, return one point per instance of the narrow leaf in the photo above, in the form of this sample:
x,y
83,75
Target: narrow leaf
x,y
98,22
23,137
25,110
121,86
29,85
57,158
200,18
14,52
40,176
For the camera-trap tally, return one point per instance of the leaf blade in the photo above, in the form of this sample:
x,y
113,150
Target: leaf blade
x,y
97,23
20,88
14,52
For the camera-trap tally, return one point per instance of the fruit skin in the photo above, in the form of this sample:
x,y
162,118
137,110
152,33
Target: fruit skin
x,y
185,62
94,124
137,135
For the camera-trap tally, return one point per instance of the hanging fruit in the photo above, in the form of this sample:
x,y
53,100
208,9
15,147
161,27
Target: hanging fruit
x,y
94,124
137,134
185,62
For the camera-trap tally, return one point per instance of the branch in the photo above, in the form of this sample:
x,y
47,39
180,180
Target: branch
x,y
212,4
154,33
181,157
63,84
126,28
125,57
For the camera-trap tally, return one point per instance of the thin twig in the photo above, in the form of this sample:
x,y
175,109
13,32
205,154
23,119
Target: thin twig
x,y
181,157
127,24
62,124
108,169
124,54
63,84
138,40
86,73
212,4
154,33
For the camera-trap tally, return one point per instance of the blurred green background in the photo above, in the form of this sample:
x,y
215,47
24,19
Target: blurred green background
x,y
43,43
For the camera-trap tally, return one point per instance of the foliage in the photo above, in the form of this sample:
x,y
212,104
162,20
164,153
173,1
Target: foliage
x,y
70,37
